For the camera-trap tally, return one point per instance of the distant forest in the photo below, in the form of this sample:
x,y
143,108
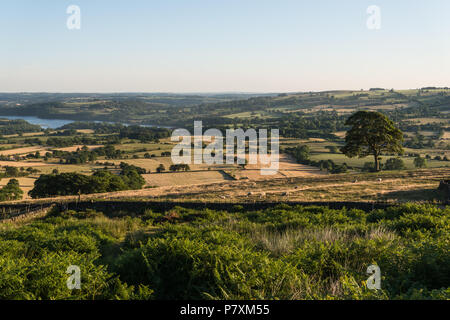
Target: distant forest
x,y
298,115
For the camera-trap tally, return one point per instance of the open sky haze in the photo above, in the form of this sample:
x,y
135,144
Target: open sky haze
x,y
222,45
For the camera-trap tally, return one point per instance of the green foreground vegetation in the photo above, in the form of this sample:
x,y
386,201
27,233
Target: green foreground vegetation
x,y
279,253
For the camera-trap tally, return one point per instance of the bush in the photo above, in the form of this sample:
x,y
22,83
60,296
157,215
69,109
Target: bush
x,y
370,167
420,162
394,164
339,169
161,168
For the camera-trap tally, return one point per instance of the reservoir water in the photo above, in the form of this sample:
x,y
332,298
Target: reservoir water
x,y
44,123
56,123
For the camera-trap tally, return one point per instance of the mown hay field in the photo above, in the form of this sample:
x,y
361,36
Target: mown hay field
x,y
24,150
26,164
184,178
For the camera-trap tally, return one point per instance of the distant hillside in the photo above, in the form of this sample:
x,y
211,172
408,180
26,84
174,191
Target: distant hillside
x,y
227,110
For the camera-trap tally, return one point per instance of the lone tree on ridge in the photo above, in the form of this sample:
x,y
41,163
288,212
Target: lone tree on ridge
x,y
371,133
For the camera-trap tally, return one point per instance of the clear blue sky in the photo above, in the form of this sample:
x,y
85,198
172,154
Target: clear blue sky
x,y
222,45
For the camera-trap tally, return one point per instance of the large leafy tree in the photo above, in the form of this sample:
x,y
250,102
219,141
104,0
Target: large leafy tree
x,y
371,133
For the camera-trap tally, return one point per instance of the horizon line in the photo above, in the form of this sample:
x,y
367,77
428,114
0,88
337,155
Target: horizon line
x,y
211,92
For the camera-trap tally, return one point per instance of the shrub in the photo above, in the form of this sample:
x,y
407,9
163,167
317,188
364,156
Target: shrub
x,y
420,162
394,164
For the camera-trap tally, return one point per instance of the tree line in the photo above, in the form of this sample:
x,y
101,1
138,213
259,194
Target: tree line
x,y
101,181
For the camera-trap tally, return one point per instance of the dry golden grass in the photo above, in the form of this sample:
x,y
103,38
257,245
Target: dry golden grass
x,y
148,164
279,243
340,134
75,148
22,164
26,134
428,120
288,167
184,178
86,131
63,168
152,148
417,185
403,186
317,140
25,150
385,107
